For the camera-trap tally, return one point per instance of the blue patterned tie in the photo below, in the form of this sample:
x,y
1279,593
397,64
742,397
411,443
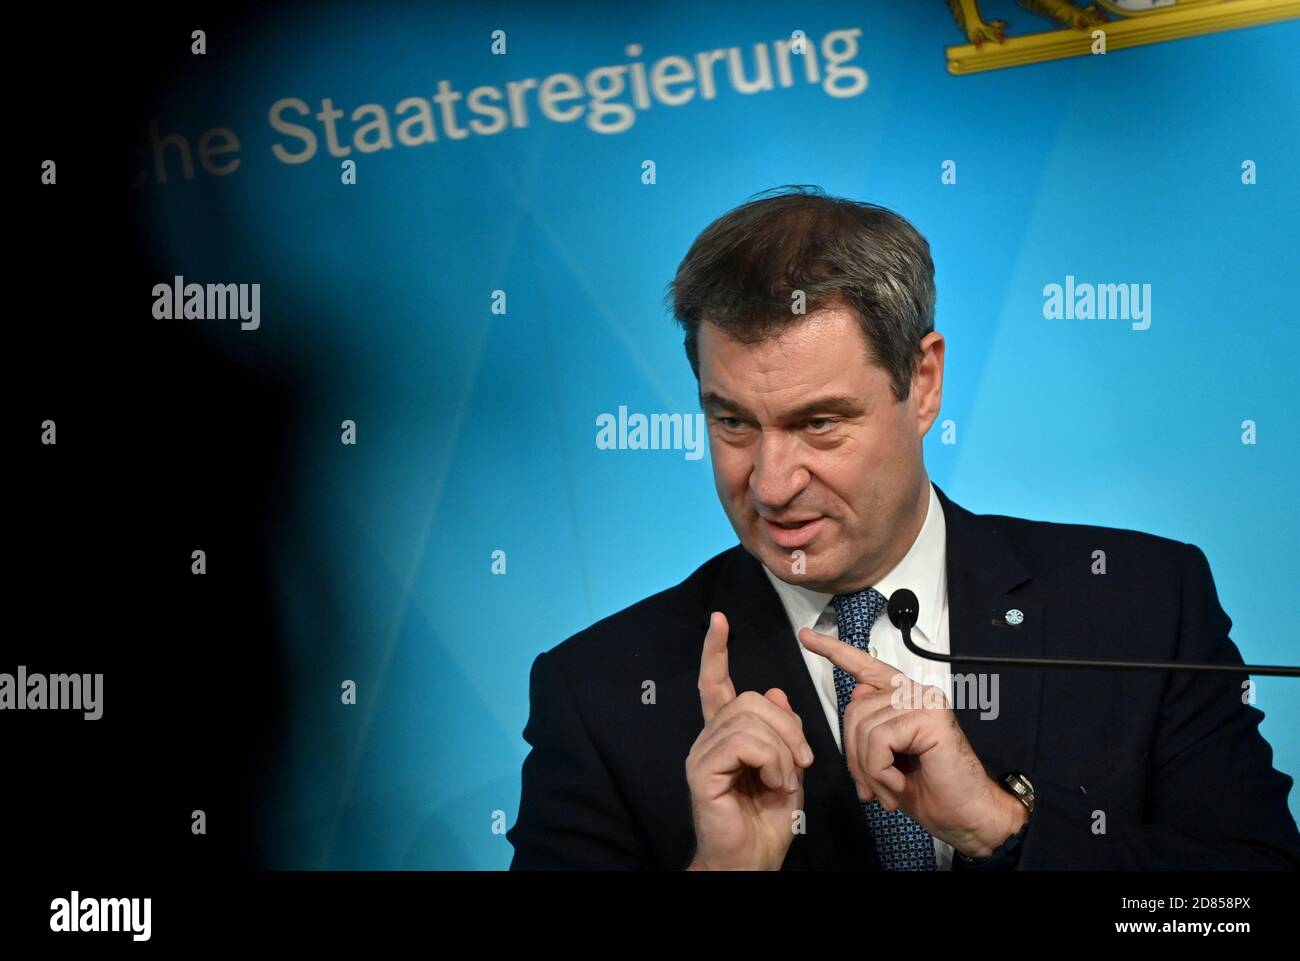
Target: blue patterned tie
x,y
901,843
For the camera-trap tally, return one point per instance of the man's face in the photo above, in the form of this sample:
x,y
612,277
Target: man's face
x,y
803,427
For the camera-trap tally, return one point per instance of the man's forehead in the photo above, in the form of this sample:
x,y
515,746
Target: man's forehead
x,y
825,356
830,322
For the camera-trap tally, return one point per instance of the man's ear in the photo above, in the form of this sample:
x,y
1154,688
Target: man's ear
x,y
927,381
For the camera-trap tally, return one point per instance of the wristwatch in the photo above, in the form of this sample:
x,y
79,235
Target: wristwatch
x,y
1004,856
1021,787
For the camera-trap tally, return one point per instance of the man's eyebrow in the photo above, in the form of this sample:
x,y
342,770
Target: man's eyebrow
x,y
830,404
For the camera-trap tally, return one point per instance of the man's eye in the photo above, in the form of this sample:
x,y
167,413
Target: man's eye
x,y
821,420
731,423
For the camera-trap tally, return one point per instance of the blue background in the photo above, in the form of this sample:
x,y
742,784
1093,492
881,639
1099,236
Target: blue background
x,y
477,431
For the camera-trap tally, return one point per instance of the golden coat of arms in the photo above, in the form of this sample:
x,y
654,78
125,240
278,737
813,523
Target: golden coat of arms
x,y
1100,26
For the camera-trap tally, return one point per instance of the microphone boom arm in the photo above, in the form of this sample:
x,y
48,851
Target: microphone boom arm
x,y
903,607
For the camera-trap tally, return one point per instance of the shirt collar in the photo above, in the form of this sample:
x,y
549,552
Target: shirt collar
x,y
923,570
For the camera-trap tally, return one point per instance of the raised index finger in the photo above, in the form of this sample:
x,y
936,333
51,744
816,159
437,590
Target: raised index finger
x,y
716,688
864,668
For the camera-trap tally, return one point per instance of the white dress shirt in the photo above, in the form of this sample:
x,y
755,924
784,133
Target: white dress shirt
x,y
923,570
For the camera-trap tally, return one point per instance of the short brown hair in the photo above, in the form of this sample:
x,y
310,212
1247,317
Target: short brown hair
x,y
743,269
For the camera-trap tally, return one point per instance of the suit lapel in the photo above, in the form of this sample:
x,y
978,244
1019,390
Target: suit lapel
x,y
986,580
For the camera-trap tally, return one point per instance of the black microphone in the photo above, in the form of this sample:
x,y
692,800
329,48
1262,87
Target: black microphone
x,y
904,608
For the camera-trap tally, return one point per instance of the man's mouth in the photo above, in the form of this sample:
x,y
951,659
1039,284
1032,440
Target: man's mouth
x,y
793,532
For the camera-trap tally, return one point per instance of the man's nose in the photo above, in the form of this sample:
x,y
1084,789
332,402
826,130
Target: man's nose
x,y
779,472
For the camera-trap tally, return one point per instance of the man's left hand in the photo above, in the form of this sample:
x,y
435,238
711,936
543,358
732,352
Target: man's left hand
x,y
903,745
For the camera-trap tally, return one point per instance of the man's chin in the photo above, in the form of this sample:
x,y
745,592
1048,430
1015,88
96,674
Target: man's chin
x,y
797,566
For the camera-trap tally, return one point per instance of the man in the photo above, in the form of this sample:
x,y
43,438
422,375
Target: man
x,y
765,713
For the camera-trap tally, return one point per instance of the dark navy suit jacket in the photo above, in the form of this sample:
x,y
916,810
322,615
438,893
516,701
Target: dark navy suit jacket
x,y
1174,761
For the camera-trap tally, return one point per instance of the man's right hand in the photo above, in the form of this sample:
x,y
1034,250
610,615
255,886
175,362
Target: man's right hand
x,y
745,770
